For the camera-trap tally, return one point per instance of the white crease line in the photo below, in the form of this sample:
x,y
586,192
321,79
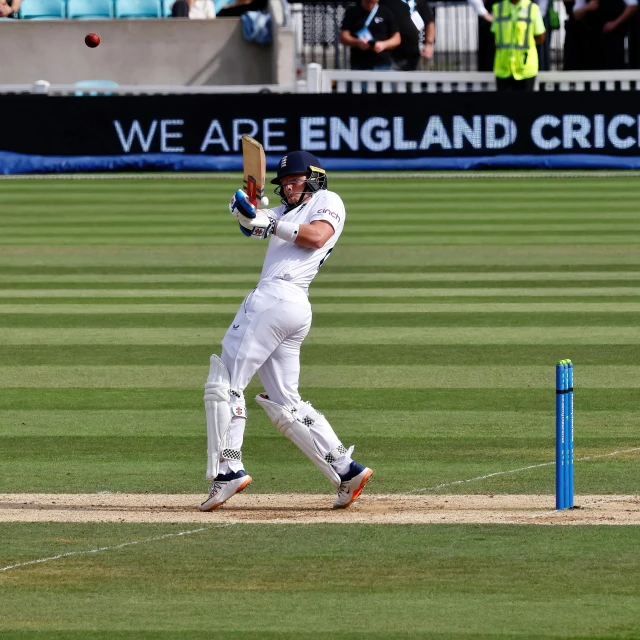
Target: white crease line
x,y
533,466
118,546
192,531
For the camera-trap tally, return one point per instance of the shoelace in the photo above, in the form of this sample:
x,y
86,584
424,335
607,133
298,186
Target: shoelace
x,y
344,488
215,487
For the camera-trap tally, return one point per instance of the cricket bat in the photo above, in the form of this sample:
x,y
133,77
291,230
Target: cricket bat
x,y
255,169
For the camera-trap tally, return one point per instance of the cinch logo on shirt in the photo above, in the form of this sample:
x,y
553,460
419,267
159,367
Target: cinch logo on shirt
x,y
330,213
378,20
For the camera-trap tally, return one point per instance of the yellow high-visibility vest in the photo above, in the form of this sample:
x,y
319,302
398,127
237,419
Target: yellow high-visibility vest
x,y
516,53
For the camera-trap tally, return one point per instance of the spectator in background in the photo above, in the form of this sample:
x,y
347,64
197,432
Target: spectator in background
x,y
412,17
607,23
544,49
242,6
518,28
572,39
193,9
481,9
371,31
486,41
633,42
9,7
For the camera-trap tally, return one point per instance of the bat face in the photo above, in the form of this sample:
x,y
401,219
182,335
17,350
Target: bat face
x,y
255,169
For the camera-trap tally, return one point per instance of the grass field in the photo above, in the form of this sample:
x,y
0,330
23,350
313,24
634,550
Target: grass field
x,y
437,322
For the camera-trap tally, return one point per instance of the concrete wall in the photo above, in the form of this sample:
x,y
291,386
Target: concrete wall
x,y
283,66
184,52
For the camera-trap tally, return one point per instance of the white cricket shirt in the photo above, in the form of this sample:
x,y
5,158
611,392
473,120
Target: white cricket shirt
x,y
291,262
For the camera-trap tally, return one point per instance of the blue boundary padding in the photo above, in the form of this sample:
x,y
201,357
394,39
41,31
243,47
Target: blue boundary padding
x,y
16,163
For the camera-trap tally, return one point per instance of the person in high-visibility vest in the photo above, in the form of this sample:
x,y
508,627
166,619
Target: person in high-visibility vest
x,y
517,27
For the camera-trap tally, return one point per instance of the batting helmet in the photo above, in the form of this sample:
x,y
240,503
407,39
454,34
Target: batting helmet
x,y
302,163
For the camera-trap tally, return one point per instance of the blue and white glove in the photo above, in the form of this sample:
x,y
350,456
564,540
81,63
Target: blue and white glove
x,y
254,223
240,205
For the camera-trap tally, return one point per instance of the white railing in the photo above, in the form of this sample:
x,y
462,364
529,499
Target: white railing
x,y
321,80
317,28
342,81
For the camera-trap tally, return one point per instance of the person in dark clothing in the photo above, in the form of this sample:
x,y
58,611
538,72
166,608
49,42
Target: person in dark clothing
x,y
633,46
607,22
242,6
412,16
573,40
579,51
371,31
486,39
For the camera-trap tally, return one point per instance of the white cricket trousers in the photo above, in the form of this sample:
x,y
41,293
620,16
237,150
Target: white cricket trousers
x,y
265,338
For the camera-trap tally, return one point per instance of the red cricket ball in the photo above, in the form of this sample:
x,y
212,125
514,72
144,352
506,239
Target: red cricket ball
x,y
92,40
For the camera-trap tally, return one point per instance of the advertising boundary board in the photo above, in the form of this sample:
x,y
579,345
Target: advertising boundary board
x,y
456,131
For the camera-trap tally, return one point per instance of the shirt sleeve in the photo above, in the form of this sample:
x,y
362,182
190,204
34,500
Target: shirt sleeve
x,y
392,22
579,4
478,7
426,13
347,21
329,208
631,3
538,22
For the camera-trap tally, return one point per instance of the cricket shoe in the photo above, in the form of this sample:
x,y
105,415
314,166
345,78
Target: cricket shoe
x,y
351,484
225,486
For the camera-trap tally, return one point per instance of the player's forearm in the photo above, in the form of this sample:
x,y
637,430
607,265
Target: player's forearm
x,y
309,237
313,236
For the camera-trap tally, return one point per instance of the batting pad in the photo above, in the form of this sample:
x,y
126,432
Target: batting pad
x,y
298,432
218,412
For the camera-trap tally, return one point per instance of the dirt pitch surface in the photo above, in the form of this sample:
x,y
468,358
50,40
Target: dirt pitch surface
x,y
314,508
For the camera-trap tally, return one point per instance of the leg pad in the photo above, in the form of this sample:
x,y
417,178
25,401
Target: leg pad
x,y
298,432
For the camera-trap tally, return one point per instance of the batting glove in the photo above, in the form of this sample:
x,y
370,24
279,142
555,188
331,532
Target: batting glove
x,y
260,227
240,205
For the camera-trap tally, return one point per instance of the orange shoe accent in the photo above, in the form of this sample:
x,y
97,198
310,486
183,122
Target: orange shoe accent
x,y
243,486
355,494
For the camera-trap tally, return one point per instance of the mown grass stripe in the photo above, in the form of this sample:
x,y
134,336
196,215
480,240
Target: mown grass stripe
x,y
432,399
327,354
329,279
112,320
88,267
405,240
405,308
439,190
27,216
477,337
187,227
382,376
326,301
336,289
362,422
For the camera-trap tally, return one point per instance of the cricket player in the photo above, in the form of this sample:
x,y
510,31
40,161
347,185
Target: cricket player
x,y
266,335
